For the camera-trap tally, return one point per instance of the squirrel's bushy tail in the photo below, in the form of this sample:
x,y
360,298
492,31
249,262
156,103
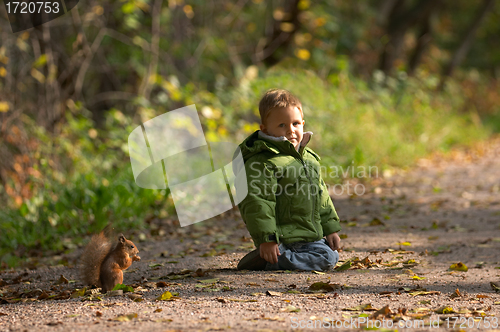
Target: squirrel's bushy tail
x,y
92,258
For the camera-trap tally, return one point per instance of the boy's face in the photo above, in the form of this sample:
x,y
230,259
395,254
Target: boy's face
x,y
286,121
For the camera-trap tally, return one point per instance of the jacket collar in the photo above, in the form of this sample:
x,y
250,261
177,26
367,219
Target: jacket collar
x,y
306,137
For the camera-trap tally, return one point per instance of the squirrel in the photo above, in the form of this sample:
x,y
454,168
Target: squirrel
x,y
102,264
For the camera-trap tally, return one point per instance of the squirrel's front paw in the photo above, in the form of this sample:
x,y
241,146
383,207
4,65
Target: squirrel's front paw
x,y
136,258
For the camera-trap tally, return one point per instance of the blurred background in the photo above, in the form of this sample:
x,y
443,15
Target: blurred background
x,y
382,82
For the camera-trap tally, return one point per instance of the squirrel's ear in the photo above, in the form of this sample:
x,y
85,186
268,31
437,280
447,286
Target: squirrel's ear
x,y
121,238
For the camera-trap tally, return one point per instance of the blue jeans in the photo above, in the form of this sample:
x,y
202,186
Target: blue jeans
x,y
308,256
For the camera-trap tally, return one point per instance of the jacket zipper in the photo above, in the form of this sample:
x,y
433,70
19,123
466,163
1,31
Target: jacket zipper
x,y
310,188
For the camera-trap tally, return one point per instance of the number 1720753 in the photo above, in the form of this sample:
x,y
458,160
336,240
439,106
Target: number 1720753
x,y
471,322
32,7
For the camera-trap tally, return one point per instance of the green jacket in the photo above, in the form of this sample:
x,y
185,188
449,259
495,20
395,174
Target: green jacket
x,y
287,199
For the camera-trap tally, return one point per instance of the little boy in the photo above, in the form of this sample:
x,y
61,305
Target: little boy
x,y
288,210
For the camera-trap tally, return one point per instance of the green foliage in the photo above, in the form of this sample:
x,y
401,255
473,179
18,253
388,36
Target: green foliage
x,y
84,183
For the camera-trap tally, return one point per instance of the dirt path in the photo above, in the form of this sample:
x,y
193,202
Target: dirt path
x,y
405,231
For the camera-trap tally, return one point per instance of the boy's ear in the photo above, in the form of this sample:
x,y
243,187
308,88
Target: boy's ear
x,y
303,122
263,128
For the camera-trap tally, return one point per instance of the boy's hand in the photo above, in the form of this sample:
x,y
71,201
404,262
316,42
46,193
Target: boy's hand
x,y
269,251
333,241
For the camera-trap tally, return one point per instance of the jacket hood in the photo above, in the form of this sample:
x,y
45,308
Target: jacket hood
x,y
259,141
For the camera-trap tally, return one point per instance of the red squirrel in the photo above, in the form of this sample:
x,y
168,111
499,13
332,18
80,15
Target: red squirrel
x,y
103,264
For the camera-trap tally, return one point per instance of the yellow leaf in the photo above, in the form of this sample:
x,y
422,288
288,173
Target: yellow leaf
x,y
444,310
418,278
459,267
78,293
126,318
3,72
304,4
41,61
38,75
4,106
303,54
166,296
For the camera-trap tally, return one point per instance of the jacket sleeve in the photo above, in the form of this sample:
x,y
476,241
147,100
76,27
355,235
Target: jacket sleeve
x,y
329,218
258,207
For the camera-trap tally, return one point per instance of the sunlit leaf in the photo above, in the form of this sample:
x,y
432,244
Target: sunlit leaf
x,y
125,318
290,308
458,267
123,287
444,310
361,307
344,266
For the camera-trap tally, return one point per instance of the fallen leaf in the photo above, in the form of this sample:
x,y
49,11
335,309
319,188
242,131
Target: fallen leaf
x,y
77,293
444,310
209,281
125,318
290,308
167,296
361,307
62,280
210,253
239,300
272,293
495,286
344,266
275,318
456,294
123,287
385,293
424,293
158,310
415,277
135,297
458,267
323,286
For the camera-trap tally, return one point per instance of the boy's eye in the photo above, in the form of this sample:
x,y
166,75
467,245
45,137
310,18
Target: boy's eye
x,y
281,125
296,123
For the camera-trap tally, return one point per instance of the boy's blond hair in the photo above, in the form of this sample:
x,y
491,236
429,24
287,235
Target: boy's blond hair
x,y
277,98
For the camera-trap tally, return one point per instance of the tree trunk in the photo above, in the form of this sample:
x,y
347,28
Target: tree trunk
x,y
466,43
424,39
400,20
281,35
